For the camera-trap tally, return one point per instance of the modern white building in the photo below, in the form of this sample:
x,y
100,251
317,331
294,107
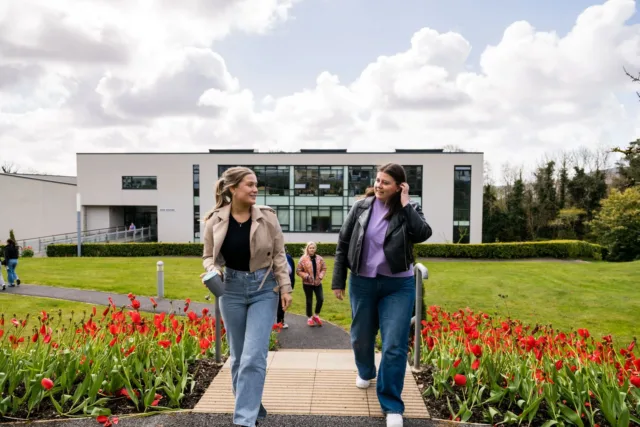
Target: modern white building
x,y
35,206
312,190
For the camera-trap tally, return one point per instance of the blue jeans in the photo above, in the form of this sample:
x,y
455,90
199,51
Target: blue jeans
x,y
11,271
385,303
249,315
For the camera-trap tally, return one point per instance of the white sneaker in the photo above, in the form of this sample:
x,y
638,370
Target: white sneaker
x,y
285,326
394,420
360,383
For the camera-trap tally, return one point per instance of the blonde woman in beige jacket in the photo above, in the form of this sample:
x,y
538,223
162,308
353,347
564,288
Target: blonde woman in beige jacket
x,y
247,242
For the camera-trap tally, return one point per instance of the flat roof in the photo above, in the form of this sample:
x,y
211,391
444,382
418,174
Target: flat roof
x,y
51,181
302,151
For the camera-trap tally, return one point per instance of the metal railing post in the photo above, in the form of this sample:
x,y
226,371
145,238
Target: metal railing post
x,y
421,273
160,269
218,332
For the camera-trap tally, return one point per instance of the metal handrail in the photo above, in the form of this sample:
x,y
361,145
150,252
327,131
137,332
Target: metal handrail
x,y
99,230
421,273
111,234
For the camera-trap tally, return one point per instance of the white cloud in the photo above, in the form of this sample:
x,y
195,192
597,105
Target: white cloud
x,y
153,81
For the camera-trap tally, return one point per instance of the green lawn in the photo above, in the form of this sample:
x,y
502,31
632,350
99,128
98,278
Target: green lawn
x,y
602,297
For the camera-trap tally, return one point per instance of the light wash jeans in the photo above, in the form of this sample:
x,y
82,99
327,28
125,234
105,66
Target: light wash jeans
x,y
387,303
249,315
11,271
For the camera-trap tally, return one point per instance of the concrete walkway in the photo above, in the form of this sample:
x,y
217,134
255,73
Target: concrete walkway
x,y
312,382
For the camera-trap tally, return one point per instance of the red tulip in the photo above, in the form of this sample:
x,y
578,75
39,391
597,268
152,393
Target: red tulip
x,y
476,350
635,380
475,365
47,383
460,380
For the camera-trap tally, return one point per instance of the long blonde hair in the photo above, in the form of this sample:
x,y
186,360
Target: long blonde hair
x,y
306,248
232,177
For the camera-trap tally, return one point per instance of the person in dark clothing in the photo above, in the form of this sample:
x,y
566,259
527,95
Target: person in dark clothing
x,y
11,255
376,244
292,276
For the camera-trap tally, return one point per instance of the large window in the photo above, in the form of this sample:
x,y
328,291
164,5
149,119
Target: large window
x,y
414,179
461,204
306,180
318,219
196,203
331,180
361,178
277,180
272,180
139,182
284,215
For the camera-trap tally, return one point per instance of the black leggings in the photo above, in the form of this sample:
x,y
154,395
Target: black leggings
x,y
308,292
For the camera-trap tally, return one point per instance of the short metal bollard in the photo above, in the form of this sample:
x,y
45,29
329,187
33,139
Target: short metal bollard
x,y
218,332
160,268
421,273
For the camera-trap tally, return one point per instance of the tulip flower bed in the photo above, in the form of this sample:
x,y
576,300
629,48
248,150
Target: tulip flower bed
x,y
479,369
112,361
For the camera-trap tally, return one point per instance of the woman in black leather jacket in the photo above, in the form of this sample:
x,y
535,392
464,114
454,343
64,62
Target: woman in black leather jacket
x,y
376,244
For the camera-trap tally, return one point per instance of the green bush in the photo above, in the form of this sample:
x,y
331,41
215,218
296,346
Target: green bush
x,y
617,225
563,249
126,249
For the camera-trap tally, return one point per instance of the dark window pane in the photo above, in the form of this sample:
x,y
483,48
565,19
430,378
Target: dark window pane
x,y
461,204
414,179
139,183
361,178
306,180
331,181
277,180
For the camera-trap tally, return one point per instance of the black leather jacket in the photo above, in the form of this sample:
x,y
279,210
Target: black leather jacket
x,y
406,228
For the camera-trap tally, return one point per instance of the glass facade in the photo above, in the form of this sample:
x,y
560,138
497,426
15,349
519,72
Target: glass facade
x,y
139,182
461,204
196,203
318,198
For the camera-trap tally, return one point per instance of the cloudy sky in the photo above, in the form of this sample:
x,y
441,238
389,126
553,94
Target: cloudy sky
x,y
513,79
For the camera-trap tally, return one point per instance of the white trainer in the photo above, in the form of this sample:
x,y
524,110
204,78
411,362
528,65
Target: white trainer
x,y
360,383
394,420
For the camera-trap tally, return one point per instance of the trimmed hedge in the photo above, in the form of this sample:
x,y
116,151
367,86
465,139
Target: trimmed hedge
x,y
562,249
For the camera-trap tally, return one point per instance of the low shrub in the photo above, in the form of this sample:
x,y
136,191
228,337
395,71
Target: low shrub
x,y
563,249
27,252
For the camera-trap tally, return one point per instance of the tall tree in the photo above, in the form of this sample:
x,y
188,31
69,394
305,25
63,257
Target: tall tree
x,y
563,180
493,216
516,227
544,208
629,166
586,190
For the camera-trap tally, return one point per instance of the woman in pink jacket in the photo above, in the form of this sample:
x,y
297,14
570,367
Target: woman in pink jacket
x,y
312,268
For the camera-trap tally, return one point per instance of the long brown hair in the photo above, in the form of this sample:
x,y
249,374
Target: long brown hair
x,y
399,175
231,178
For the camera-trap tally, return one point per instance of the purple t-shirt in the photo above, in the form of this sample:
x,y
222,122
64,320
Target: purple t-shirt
x,y
373,259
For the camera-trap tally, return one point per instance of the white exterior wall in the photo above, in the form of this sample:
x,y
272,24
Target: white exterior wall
x,y
36,208
96,217
100,184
